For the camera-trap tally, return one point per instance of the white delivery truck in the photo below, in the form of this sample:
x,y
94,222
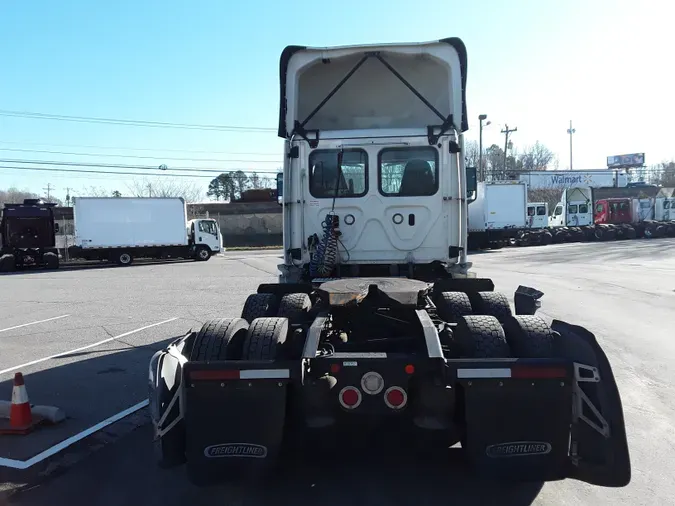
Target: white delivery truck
x,y
537,215
497,214
119,229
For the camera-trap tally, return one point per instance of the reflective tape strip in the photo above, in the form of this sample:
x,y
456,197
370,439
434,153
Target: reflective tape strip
x,y
265,374
19,395
483,373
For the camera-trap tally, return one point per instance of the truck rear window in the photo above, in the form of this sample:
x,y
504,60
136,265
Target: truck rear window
x,y
323,173
408,172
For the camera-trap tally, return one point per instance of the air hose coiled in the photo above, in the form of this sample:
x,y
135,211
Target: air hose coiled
x,y
326,255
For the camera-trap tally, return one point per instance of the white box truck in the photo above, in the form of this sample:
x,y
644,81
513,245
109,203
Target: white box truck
x,y
497,214
119,229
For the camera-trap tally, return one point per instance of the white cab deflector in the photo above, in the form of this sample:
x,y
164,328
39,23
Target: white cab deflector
x,y
381,87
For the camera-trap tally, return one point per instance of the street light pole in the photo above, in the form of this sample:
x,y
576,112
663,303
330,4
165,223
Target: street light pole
x,y
571,131
481,170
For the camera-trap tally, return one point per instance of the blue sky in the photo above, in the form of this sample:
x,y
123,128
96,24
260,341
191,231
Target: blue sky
x,y
532,64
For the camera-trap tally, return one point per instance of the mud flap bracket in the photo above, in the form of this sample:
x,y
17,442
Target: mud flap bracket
x,y
590,375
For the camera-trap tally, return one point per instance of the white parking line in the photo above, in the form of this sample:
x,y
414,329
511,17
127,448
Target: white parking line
x,y
33,362
25,464
34,323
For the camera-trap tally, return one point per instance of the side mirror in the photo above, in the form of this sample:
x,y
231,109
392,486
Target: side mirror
x,y
280,188
471,183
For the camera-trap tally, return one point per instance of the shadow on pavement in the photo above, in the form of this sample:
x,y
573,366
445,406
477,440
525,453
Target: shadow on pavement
x,y
90,386
94,265
125,473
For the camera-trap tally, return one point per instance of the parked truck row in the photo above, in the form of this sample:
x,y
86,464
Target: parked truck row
x,y
501,215
112,229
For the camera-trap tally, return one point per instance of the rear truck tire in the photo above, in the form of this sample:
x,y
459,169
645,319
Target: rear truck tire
x,y
630,233
491,303
295,307
481,336
202,254
219,339
265,338
529,336
453,305
259,305
123,258
51,260
546,238
7,263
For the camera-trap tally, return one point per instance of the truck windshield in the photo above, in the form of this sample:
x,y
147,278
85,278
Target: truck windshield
x,y
408,172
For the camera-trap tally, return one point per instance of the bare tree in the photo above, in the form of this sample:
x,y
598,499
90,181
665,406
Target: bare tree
x,y
664,174
537,157
549,195
16,196
471,153
165,187
94,191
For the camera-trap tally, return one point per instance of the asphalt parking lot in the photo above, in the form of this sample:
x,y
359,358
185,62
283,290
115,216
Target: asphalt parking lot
x,y
83,339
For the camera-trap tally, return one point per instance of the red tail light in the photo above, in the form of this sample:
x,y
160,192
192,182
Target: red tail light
x,y
395,398
350,398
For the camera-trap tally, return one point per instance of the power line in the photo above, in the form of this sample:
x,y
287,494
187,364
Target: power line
x,y
158,174
131,122
120,148
144,157
129,166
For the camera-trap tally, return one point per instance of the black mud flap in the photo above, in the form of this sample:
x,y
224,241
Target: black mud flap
x,y
517,429
234,414
599,448
168,430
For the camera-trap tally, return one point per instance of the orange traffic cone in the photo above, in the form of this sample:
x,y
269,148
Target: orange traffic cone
x,y
21,420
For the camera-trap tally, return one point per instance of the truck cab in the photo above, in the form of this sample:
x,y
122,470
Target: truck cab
x,y
664,209
27,233
373,181
205,231
575,208
613,211
537,215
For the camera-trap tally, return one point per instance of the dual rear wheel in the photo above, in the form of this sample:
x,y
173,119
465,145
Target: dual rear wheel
x,y
486,327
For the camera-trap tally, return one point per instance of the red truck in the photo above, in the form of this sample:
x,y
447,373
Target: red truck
x,y
635,217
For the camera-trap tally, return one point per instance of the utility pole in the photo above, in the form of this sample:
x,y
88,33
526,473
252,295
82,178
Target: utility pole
x,y
507,131
49,191
571,131
68,196
149,190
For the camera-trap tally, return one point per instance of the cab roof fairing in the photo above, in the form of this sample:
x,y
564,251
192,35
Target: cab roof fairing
x,y
438,59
